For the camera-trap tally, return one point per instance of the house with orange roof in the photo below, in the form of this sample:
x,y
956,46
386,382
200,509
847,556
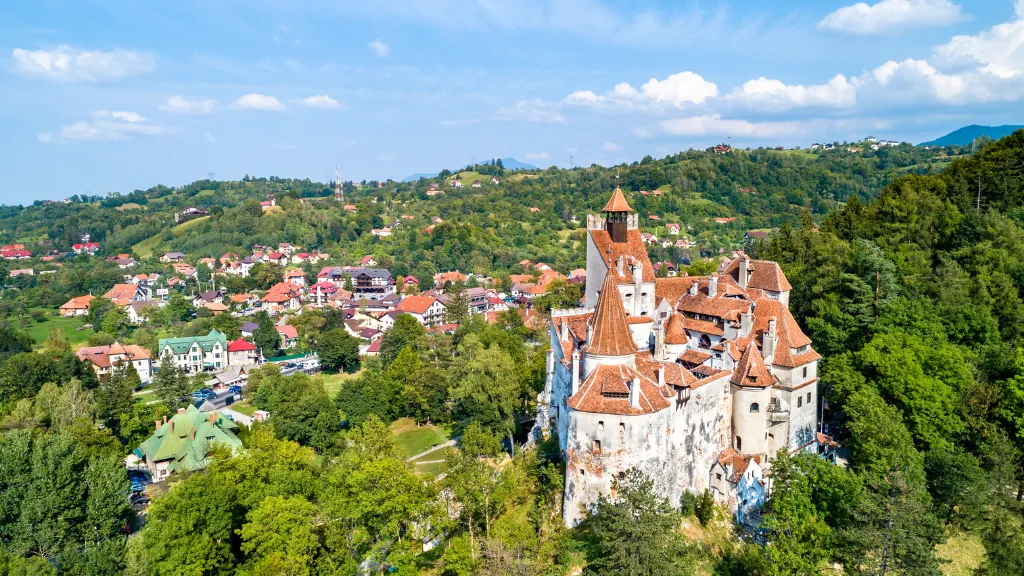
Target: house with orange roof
x,y
77,306
105,359
427,310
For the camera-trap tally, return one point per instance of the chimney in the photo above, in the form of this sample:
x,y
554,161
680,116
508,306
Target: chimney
x,y
213,417
590,331
743,271
181,410
619,264
157,425
661,376
634,393
165,418
768,344
575,372
746,323
192,432
693,288
712,285
565,331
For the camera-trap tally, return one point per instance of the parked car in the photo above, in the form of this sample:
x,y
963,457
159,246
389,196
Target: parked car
x,y
235,389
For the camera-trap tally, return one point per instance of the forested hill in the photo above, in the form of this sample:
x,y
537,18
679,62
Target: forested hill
x,y
760,188
915,302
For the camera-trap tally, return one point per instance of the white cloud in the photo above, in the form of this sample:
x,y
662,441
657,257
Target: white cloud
x,y
1019,9
379,47
715,125
890,16
66,64
677,90
107,126
538,156
611,147
771,94
320,101
180,105
998,51
256,101
534,110
385,158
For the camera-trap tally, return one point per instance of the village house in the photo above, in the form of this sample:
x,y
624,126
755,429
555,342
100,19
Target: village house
x,y
241,352
295,277
86,248
172,257
195,353
427,310
289,336
77,306
105,359
122,294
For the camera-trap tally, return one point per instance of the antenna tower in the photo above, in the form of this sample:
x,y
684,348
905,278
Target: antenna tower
x,y
339,191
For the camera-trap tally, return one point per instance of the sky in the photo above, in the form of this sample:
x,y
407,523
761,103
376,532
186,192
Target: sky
x,y
99,96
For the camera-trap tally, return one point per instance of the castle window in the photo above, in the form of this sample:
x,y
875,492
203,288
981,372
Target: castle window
x,y
755,407
583,472
597,446
600,426
739,443
622,428
799,402
622,475
718,477
630,295
808,397
805,371
704,341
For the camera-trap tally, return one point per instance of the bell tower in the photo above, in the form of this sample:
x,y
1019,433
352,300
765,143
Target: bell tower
x,y
617,216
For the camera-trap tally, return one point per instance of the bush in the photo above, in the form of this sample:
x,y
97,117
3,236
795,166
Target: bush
x,y
100,339
38,315
705,508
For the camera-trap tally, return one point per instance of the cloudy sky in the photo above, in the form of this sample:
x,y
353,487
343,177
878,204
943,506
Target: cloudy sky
x,y
114,95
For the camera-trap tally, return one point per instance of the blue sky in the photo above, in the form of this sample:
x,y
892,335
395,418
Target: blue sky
x,y
114,95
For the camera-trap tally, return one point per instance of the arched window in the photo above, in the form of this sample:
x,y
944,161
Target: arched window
x,y
739,444
754,407
705,341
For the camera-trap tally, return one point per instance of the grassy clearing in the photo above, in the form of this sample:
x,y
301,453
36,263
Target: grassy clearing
x,y
129,206
332,382
39,331
146,397
147,247
414,439
964,553
243,408
432,469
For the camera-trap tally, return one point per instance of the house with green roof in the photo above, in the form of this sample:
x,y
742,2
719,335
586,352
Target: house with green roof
x,y
185,441
197,353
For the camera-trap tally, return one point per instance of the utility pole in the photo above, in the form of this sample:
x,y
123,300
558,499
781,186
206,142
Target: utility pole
x,y
212,175
571,163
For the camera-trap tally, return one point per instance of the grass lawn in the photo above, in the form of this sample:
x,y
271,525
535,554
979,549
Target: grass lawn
x,y
964,553
432,469
415,439
243,408
146,248
146,397
332,382
39,331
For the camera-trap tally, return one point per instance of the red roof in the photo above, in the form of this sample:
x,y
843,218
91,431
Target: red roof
x,y
415,304
611,334
241,345
288,331
617,203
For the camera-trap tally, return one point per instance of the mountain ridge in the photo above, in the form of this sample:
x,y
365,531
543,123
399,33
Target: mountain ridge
x,y
967,134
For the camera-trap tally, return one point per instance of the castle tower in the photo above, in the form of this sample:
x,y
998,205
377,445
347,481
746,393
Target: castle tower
x,y
751,385
609,340
617,212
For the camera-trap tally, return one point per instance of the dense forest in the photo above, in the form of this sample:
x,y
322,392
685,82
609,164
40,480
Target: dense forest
x,y
910,286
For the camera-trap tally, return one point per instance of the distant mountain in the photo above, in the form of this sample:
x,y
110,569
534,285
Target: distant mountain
x,y
967,134
508,163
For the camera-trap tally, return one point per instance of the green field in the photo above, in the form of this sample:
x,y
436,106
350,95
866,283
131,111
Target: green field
x,y
415,439
332,382
39,331
147,247
146,397
432,469
243,408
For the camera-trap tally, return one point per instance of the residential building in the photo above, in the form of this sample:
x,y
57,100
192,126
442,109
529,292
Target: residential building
x,y
196,353
77,306
241,352
426,310
289,336
172,257
104,359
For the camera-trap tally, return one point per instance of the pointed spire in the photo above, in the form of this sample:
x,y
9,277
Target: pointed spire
x,y
751,371
674,332
617,203
610,330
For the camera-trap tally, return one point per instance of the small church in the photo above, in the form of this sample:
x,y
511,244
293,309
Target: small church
x,y
696,381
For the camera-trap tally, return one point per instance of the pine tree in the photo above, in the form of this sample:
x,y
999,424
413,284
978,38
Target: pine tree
x,y
171,385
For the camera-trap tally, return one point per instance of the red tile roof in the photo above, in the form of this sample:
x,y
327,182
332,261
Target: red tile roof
x,y
241,345
606,390
611,334
617,203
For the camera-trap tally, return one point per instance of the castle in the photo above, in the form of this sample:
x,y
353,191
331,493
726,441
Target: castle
x,y
695,381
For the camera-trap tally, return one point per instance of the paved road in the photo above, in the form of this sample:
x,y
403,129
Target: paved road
x,y
238,417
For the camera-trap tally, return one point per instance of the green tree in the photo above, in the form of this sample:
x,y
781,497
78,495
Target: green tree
x,y
405,332
265,336
635,533
559,295
171,385
338,350
280,536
